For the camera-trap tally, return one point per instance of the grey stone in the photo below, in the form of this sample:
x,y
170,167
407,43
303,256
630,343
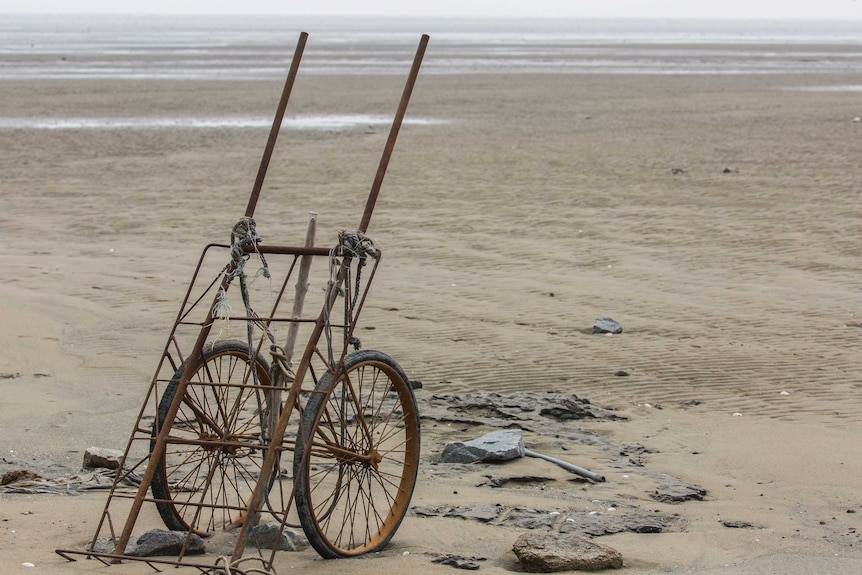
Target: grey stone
x,y
430,510
500,480
527,410
606,325
503,445
159,542
456,561
529,518
483,512
269,535
676,491
541,552
102,457
737,524
593,524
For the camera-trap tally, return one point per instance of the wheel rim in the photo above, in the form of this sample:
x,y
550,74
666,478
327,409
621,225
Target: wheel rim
x,y
213,459
363,459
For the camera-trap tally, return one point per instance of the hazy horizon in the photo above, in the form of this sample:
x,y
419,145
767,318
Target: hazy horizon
x,y
664,9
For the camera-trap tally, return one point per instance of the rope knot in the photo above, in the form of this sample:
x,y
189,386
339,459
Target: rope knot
x,y
356,244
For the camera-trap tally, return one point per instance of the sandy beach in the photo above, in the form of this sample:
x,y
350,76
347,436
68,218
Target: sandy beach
x,y
716,217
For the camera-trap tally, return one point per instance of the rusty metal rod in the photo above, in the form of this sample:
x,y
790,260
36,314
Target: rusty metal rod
x,y
393,134
271,456
276,125
158,450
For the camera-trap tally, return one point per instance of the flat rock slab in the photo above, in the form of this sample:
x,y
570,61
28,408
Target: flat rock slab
x,y
524,409
456,561
541,552
675,491
502,445
500,480
634,520
594,524
484,512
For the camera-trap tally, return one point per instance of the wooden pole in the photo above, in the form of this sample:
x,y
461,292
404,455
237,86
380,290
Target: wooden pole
x,y
295,314
301,289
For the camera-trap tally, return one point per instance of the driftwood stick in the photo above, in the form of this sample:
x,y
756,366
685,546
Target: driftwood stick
x,y
279,382
301,289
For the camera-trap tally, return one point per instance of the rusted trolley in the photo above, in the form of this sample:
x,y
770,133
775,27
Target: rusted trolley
x,y
227,410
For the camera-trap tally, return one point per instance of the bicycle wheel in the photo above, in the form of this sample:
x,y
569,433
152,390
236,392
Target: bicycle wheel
x,y
205,487
355,465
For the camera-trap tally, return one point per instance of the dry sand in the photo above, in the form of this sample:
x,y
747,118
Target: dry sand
x,y
546,202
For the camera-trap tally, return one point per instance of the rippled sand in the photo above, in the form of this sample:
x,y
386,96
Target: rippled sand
x,y
716,218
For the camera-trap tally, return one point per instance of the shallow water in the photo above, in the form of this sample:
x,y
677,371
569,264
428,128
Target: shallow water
x,y
328,122
255,47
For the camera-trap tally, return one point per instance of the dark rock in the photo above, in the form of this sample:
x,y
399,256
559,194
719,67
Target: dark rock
x,y
645,525
594,524
622,373
269,535
606,325
566,408
529,518
636,449
500,480
629,518
102,457
456,561
18,475
552,552
737,524
429,510
484,512
158,542
521,409
675,491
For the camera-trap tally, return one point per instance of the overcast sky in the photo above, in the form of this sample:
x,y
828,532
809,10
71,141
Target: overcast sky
x,y
808,9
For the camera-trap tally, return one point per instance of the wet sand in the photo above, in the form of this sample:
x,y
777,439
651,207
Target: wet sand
x,y
715,217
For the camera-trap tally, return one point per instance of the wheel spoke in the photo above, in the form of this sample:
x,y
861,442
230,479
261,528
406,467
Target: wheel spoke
x,y
214,456
355,479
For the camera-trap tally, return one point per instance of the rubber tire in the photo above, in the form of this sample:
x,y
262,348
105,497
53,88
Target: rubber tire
x,y
329,522
171,508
